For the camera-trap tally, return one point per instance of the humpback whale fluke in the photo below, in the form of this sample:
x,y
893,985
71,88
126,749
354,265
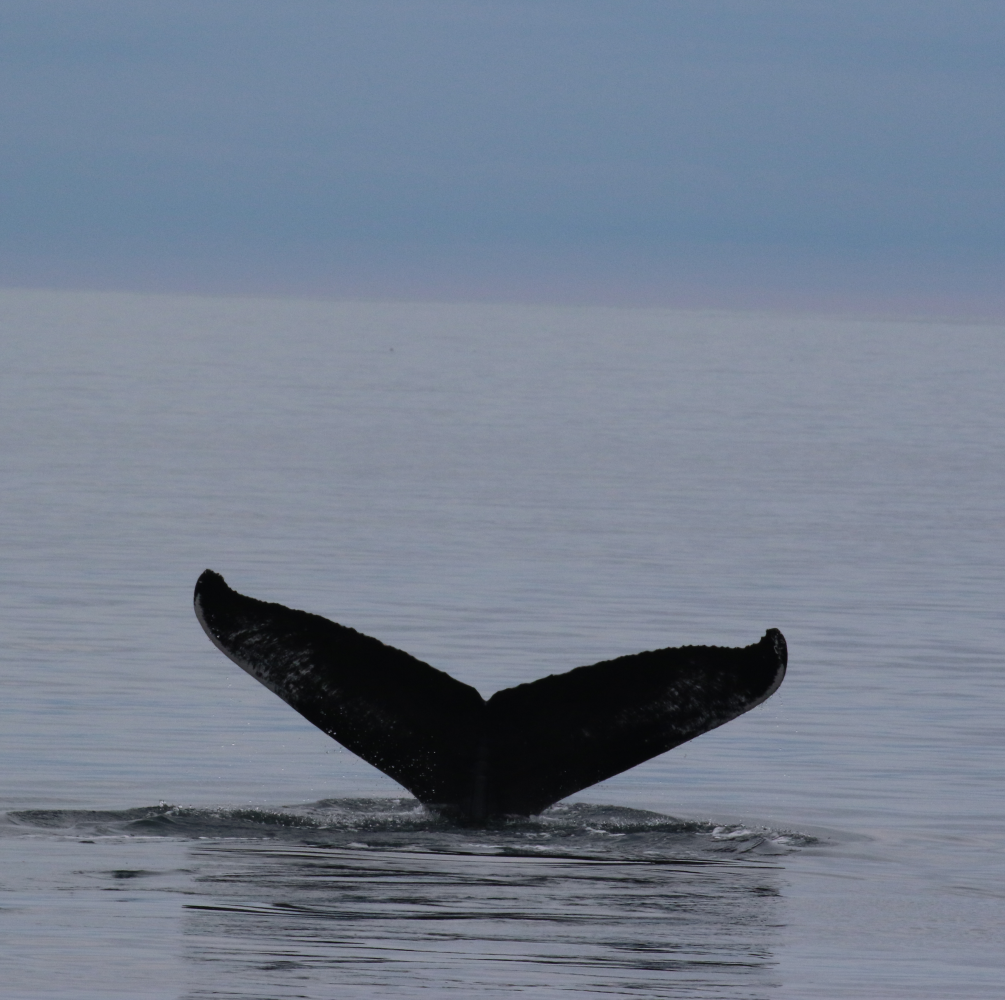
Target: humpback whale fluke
x,y
517,753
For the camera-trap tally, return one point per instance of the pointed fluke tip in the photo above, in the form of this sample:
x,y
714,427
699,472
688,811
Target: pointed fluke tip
x,y
776,640
209,580
774,643
212,586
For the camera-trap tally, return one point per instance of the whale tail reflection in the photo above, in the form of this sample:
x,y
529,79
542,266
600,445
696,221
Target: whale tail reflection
x,y
517,753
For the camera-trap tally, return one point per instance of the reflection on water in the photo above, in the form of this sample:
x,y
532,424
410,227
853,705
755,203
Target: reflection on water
x,y
371,896
294,922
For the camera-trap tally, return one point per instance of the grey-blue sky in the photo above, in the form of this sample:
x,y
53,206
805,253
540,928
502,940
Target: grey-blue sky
x,y
694,151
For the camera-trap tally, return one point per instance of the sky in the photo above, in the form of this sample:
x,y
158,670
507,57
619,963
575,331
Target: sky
x,y
842,156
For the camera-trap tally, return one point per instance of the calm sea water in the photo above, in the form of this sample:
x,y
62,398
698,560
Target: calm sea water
x,y
504,492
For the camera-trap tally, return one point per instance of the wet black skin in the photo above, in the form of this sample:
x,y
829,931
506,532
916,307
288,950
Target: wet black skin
x,y
515,754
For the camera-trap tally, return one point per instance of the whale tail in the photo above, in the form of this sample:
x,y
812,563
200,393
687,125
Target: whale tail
x,y
517,753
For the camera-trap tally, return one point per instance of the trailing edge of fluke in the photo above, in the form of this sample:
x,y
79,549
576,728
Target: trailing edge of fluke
x,y
517,753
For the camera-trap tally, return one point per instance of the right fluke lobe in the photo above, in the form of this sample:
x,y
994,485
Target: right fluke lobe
x,y
524,749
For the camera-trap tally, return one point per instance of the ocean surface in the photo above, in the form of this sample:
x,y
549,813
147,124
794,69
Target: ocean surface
x,y
505,492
